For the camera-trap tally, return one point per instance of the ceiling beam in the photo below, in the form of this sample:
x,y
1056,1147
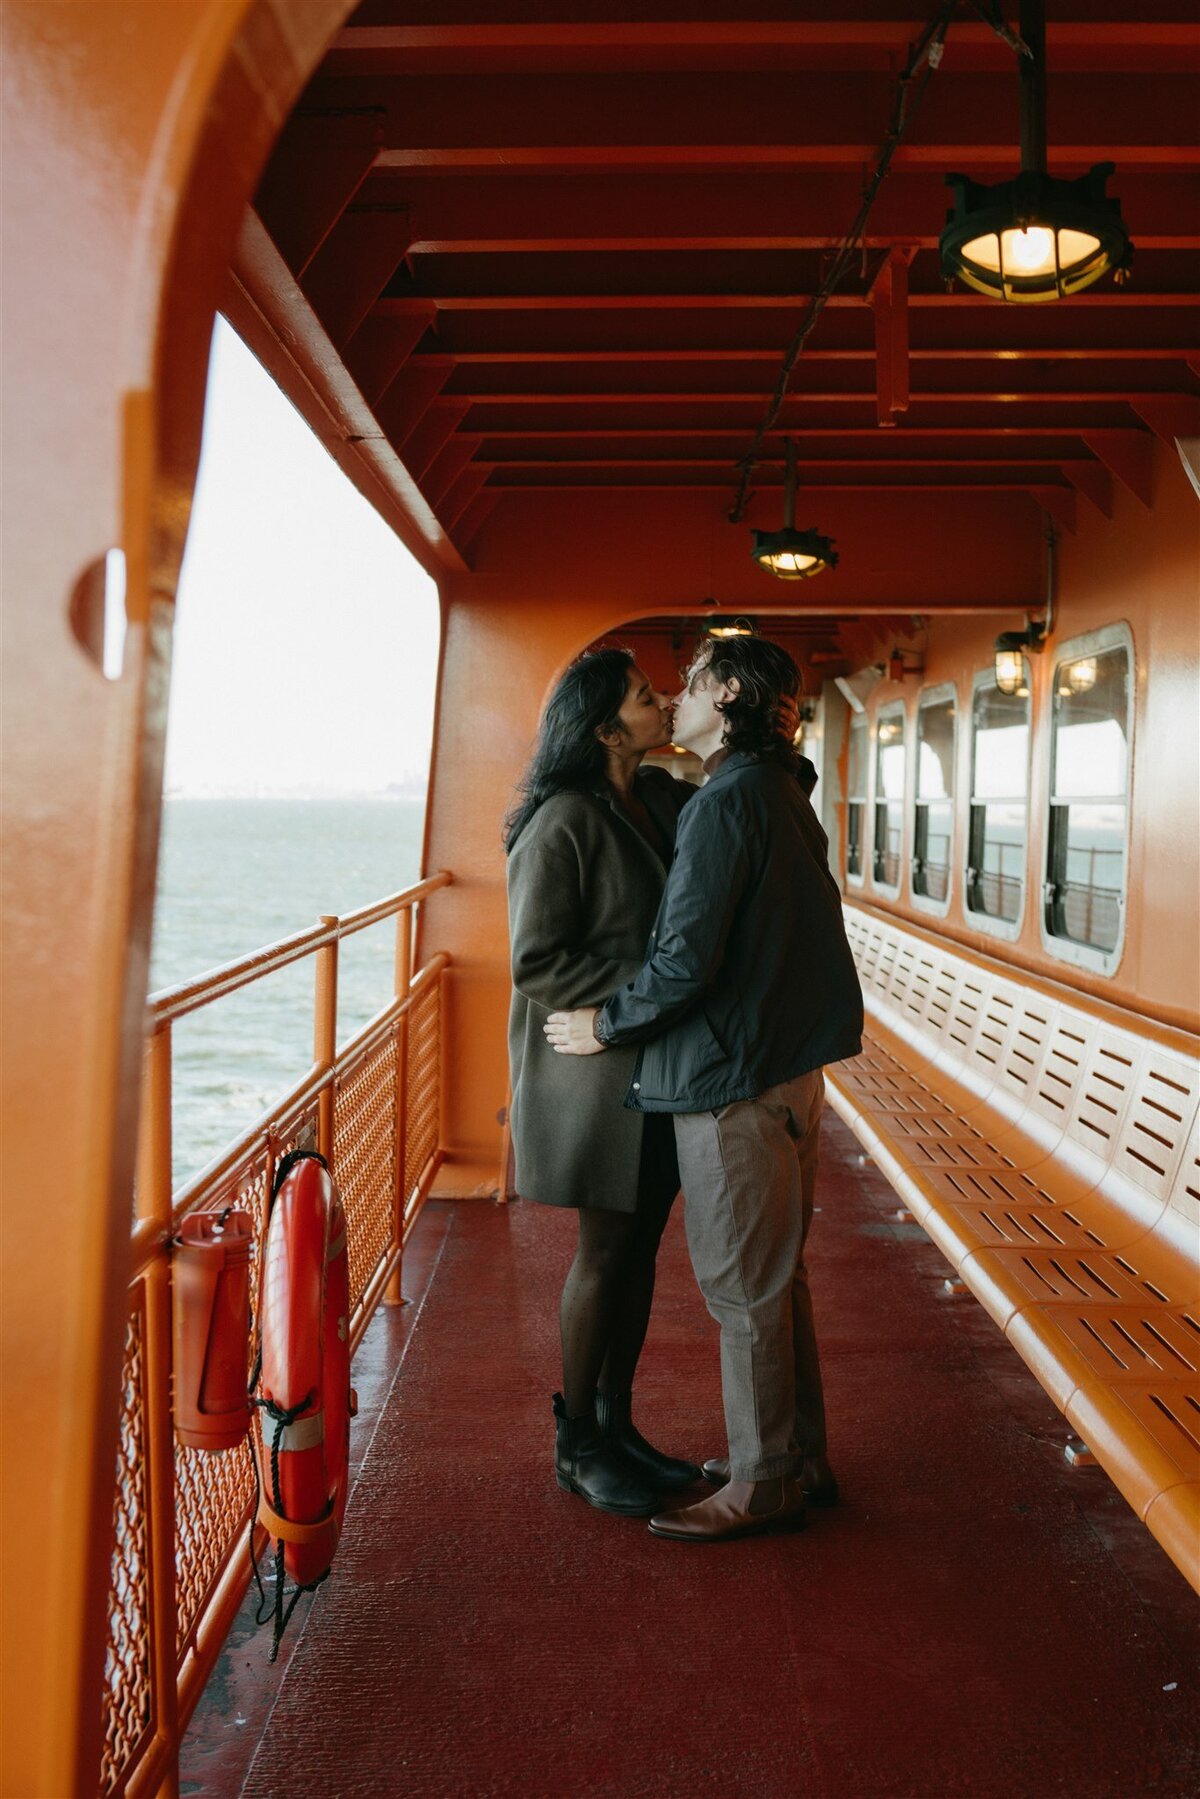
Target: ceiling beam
x,y
381,347
432,433
267,309
670,331
993,161
729,118
410,396
513,214
318,166
672,356
1127,299
816,434
729,43
473,518
353,266
889,301
463,491
447,466
1129,455
1094,480
1171,416
1060,503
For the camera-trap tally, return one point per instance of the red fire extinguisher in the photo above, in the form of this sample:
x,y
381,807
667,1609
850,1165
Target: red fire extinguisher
x,y
210,1274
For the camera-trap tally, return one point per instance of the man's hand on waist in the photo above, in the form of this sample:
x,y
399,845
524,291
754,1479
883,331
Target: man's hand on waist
x,y
573,1033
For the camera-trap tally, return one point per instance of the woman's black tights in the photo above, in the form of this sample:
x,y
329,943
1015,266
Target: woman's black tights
x,y
606,1300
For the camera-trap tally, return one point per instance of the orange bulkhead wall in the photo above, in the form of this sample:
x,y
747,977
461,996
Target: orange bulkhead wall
x,y
551,575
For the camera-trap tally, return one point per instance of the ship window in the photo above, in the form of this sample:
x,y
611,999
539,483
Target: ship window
x,y
999,800
1089,769
856,798
933,823
889,796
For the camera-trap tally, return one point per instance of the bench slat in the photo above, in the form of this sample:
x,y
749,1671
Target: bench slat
x,y
1051,1152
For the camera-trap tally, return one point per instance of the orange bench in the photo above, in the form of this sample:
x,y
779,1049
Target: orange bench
x,y
1048,1145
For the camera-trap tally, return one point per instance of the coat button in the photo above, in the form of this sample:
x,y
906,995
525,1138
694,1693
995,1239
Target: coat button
x,y
637,1086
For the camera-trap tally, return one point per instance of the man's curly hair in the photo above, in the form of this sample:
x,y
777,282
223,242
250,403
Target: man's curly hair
x,y
765,674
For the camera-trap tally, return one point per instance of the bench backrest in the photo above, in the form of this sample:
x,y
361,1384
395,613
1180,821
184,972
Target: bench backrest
x,y
1115,1095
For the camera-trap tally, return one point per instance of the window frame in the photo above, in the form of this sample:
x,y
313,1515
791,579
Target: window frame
x,y
886,888
858,881
935,696
1008,931
1117,636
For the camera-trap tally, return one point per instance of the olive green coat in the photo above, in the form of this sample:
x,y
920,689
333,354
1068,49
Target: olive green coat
x,y
583,891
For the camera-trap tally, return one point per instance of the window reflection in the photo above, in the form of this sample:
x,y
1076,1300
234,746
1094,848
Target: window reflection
x,y
889,795
999,801
856,797
1089,767
933,832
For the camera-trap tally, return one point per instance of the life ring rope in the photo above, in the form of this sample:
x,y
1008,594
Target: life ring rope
x,y
282,1529
306,1543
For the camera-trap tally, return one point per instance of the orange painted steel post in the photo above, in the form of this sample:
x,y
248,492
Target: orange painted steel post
x,y
325,1034
393,1294
154,1202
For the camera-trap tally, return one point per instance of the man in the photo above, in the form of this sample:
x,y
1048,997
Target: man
x,y
748,990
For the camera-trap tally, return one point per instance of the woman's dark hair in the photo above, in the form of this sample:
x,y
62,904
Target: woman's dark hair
x,y
765,673
567,757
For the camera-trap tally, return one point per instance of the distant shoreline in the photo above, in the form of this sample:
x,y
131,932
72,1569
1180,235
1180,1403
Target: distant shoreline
x,y
406,795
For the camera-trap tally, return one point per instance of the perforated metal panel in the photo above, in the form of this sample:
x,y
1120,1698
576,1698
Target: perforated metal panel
x,y
128,1698
424,1082
364,1154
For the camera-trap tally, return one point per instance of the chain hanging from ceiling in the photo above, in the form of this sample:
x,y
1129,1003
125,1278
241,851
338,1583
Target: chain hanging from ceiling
x,y
924,58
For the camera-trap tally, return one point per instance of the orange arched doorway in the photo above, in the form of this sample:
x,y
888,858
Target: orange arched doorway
x,y
134,138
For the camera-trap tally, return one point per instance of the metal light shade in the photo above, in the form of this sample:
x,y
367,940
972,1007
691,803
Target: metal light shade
x,y
1010,661
1034,238
792,555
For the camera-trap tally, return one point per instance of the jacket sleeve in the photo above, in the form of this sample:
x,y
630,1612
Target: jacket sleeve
x,y
547,928
704,887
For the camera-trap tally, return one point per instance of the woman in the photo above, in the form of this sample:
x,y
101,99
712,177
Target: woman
x,y
589,845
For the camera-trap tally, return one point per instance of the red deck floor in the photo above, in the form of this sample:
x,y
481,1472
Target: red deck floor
x,y
975,1619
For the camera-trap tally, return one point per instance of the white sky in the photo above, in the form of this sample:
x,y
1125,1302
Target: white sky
x,y
306,638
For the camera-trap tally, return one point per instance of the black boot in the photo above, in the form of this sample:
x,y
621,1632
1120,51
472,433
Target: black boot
x,y
584,1464
665,1473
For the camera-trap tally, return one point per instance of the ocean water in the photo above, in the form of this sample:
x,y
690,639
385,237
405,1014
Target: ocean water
x,y
234,875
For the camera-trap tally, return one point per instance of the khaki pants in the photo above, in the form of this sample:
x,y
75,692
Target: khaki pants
x,y
748,1174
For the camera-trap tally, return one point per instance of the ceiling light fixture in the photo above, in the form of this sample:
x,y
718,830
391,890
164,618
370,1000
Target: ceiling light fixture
x,y
1034,238
789,554
1010,649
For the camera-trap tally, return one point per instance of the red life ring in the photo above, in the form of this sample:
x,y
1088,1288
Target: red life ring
x,y
306,1402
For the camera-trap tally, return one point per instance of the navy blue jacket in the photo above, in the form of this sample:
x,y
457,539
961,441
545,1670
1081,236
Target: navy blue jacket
x,y
748,978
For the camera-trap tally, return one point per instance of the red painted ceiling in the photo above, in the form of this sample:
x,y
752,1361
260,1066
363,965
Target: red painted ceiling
x,y
554,248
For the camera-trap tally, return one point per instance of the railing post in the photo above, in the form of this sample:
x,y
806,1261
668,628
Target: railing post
x,y
154,1202
392,1293
325,1034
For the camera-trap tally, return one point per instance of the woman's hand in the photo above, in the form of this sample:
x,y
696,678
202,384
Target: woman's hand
x,y
789,717
570,1033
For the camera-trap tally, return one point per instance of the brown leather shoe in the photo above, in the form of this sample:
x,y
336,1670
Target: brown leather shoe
x,y
816,1477
743,1508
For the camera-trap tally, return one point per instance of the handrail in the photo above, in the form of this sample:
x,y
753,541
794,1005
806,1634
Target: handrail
x,y
188,996
373,1106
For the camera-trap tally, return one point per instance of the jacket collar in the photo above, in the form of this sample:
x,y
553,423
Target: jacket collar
x,y
649,798
725,762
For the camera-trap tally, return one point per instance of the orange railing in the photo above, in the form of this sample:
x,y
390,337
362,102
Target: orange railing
x,y
180,1563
